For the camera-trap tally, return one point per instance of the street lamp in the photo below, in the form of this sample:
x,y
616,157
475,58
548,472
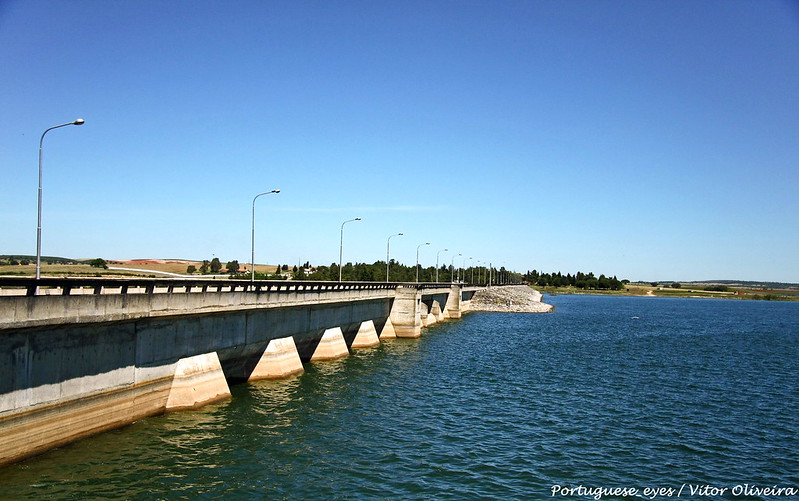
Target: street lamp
x,y
437,253
341,245
452,268
388,250
463,266
79,121
417,260
252,257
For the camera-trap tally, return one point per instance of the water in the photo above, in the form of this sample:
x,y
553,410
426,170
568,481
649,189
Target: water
x,y
605,392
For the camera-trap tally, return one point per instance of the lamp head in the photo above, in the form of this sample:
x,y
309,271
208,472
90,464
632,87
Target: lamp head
x,y
357,219
79,121
275,191
400,234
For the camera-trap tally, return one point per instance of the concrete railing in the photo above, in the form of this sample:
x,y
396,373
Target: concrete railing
x,y
27,302
10,286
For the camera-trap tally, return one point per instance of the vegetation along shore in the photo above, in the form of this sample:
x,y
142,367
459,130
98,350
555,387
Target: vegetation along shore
x,y
548,283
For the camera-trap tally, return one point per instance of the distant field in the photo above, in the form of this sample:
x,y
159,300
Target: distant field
x,y
61,270
686,291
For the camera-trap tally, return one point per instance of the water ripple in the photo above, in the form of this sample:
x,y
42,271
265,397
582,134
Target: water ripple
x,y
492,406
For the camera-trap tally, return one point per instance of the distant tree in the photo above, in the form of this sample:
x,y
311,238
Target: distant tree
x,y
654,284
98,263
205,267
216,265
676,285
191,269
299,274
285,267
24,262
232,267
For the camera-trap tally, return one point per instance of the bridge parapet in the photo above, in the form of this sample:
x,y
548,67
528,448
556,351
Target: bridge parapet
x,y
27,302
31,303
75,286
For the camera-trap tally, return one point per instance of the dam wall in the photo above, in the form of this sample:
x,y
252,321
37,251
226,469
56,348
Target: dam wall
x,y
77,359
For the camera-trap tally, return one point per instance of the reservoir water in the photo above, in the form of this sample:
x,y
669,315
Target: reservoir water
x,y
606,392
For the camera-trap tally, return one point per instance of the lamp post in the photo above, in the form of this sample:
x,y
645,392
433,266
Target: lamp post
x,y
341,245
452,268
437,253
252,257
79,121
463,267
472,267
388,251
417,260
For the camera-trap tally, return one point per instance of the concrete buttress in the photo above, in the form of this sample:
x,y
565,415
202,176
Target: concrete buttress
x,y
280,359
406,313
331,346
367,336
198,380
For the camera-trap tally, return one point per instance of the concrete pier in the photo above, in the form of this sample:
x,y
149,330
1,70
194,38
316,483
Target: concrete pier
x,y
279,360
406,315
197,381
331,346
388,331
366,337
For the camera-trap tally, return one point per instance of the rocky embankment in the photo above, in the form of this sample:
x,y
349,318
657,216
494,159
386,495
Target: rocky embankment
x,y
510,299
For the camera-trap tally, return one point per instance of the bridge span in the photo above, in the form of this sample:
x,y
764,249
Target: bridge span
x,y
79,356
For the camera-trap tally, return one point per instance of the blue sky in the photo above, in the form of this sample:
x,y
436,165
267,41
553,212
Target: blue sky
x,y
651,140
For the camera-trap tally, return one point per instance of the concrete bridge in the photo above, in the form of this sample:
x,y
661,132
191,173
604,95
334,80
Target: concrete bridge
x,y
81,356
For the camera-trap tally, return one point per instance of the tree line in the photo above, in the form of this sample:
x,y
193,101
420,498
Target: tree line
x,y
364,272
579,280
398,272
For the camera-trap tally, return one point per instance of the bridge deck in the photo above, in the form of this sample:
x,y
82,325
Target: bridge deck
x,y
27,302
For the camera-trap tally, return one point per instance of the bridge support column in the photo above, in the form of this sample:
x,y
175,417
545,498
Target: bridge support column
x,y
436,311
388,330
428,318
332,345
367,336
198,380
454,302
280,359
406,313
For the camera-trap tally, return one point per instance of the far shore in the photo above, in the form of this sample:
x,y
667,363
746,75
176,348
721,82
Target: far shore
x,y
688,290
179,268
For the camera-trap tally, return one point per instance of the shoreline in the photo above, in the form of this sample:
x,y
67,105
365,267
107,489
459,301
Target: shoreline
x,y
743,295
510,299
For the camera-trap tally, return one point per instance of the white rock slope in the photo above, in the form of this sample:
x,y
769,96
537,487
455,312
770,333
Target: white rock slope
x,y
510,299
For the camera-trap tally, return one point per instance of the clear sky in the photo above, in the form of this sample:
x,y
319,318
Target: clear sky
x,y
651,140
